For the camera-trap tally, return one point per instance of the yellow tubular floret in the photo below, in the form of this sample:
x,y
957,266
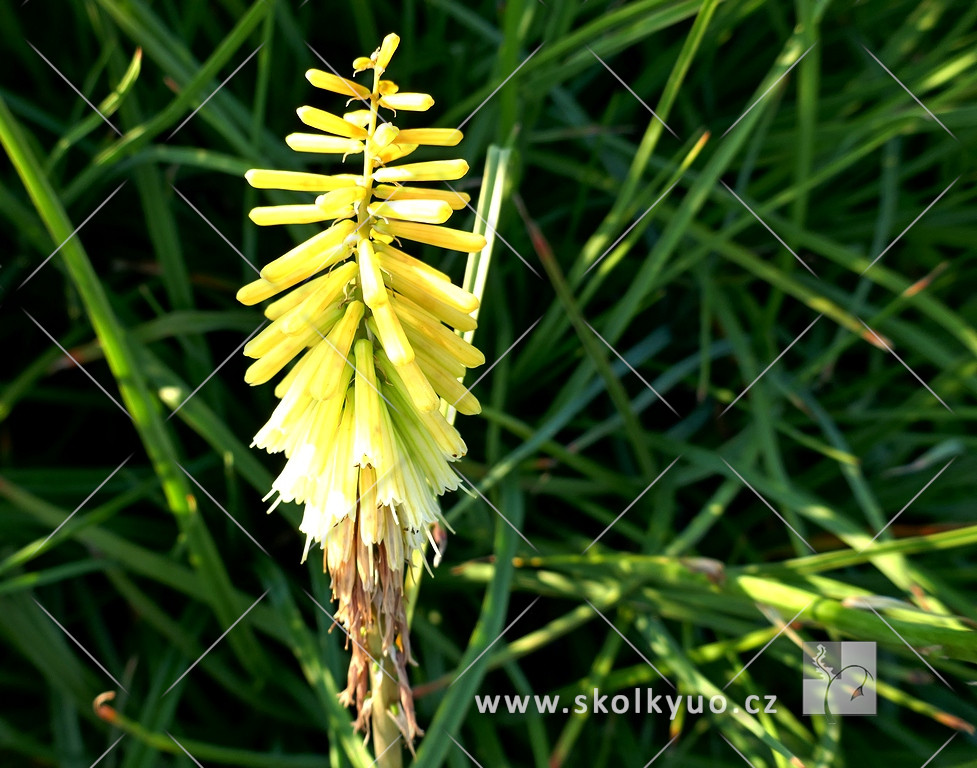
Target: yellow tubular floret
x,y
432,170
426,303
394,152
308,254
315,142
411,383
441,237
297,181
330,82
366,449
427,211
371,280
328,381
437,335
330,123
338,204
384,135
452,390
457,200
336,278
411,102
386,51
270,215
432,137
388,329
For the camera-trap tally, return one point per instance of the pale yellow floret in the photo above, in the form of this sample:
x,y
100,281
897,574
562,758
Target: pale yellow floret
x,y
367,450
431,137
434,355
417,387
411,102
441,237
394,152
386,51
389,253
362,63
422,300
297,181
339,342
371,280
426,211
409,279
314,306
384,135
457,200
308,254
432,170
332,283
391,334
270,215
369,515
330,123
338,204
445,434
316,142
452,390
434,334
387,87
360,117
277,357
330,82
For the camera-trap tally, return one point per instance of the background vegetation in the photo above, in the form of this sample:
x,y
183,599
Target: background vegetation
x,y
698,575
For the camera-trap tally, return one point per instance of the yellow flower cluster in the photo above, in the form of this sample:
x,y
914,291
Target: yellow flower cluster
x,y
367,330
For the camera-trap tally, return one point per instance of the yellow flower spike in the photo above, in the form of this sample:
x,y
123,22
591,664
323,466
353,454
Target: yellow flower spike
x,y
432,137
457,200
339,342
411,102
386,51
367,448
297,181
371,281
327,81
314,142
308,254
271,215
330,123
442,237
432,170
391,334
358,325
427,211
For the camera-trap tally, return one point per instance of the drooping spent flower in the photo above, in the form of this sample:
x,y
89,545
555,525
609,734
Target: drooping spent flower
x,y
363,331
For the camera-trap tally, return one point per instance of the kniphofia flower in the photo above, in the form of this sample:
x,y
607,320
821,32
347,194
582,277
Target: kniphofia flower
x,y
363,333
